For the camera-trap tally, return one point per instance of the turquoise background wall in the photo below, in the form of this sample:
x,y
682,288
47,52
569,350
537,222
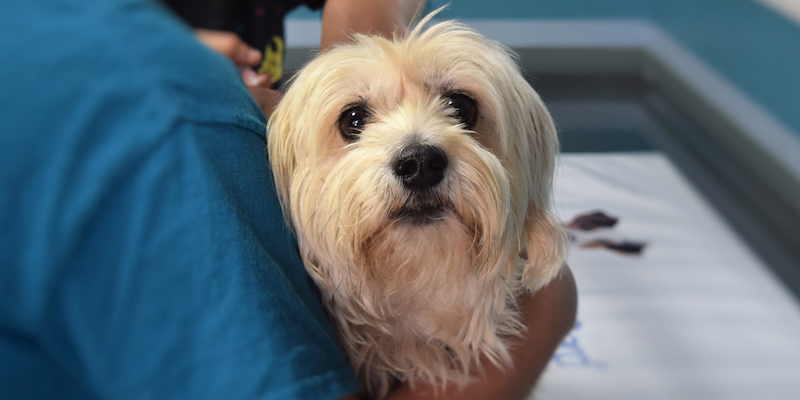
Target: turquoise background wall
x,y
753,46
539,9
529,9
748,43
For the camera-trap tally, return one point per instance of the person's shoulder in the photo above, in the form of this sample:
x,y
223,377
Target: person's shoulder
x,y
204,85
92,92
128,53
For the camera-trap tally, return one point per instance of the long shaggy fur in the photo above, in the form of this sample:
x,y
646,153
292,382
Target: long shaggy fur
x,y
419,303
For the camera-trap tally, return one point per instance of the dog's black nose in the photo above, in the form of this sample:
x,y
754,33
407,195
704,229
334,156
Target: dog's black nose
x,y
420,166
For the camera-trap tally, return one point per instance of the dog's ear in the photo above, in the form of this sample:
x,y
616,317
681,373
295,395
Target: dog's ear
x,y
545,241
545,249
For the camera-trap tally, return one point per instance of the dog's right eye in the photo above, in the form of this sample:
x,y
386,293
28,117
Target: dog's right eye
x,y
351,123
464,109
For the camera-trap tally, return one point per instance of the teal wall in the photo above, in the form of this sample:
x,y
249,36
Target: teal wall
x,y
539,9
530,9
751,45
754,47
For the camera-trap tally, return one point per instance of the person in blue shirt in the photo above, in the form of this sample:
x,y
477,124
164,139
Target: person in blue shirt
x,y
144,254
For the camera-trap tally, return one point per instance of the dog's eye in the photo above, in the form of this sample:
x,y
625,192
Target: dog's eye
x,y
351,123
465,109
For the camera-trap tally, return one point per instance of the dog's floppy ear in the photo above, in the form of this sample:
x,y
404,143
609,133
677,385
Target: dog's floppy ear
x,y
545,241
545,249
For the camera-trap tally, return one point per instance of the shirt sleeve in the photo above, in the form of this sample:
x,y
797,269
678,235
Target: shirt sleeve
x,y
144,251
188,285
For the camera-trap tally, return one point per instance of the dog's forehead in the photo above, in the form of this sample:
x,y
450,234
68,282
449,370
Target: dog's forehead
x,y
381,72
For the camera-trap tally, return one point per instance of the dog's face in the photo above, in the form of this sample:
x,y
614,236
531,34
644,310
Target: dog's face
x,y
407,165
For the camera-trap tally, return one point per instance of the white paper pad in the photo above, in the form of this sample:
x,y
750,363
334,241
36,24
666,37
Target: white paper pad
x,y
696,316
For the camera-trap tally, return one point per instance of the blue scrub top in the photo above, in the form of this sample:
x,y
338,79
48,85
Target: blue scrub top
x,y
143,251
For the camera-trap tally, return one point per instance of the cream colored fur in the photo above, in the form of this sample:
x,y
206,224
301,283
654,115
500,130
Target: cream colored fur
x,y
419,303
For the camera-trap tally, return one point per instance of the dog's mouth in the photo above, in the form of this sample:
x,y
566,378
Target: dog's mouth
x,y
421,215
422,209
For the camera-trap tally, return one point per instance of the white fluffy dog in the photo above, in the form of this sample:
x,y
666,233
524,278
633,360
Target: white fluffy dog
x,y
417,173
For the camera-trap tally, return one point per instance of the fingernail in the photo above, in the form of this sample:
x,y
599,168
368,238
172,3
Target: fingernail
x,y
249,76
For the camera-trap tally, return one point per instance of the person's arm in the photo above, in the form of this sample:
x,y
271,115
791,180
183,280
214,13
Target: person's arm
x,y
342,18
549,316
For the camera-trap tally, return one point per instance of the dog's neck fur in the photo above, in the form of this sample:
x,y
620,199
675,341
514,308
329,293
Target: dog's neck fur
x,y
398,321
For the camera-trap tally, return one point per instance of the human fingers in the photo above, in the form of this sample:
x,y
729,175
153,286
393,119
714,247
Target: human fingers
x,y
266,98
254,79
230,45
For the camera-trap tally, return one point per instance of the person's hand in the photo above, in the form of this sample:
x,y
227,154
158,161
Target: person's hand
x,y
266,98
245,57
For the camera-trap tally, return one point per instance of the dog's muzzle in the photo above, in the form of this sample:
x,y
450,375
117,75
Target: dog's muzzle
x,y
421,167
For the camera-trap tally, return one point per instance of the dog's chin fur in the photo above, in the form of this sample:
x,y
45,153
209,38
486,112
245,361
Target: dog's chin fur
x,y
421,287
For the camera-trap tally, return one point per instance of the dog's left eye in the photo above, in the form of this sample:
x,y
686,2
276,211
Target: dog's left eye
x,y
351,123
465,109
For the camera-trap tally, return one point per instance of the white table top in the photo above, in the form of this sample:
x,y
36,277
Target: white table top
x,y
696,316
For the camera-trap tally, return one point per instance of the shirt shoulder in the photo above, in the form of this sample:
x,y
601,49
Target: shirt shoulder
x,y
90,88
142,238
95,50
